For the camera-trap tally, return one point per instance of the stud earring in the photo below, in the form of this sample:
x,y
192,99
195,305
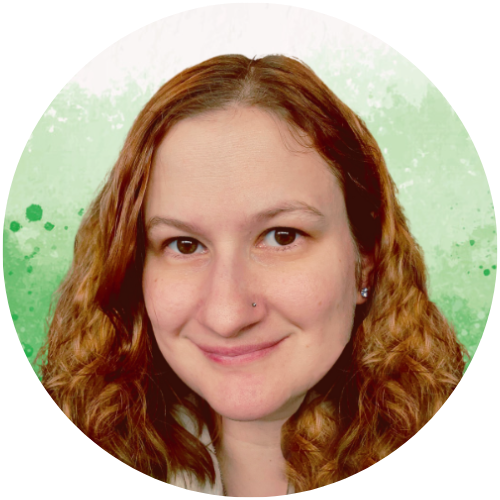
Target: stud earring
x,y
364,293
254,304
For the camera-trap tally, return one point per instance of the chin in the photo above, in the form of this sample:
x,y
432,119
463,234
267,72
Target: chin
x,y
253,407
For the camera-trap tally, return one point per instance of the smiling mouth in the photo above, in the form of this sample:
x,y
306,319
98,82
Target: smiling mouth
x,y
247,357
232,352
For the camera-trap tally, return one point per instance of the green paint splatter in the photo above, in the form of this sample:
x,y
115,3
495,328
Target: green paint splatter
x,y
493,266
80,212
15,226
472,242
480,267
34,213
65,228
29,269
33,253
15,317
486,272
48,226
31,309
28,350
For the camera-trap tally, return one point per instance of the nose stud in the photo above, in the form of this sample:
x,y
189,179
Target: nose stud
x,y
254,304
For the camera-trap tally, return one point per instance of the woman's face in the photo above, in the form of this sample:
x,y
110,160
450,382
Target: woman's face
x,y
237,214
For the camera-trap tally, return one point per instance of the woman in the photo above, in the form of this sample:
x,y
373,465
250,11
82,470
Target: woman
x,y
246,312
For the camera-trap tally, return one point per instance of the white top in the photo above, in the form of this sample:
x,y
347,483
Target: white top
x,y
187,480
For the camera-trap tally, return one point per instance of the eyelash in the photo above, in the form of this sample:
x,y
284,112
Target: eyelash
x,y
277,248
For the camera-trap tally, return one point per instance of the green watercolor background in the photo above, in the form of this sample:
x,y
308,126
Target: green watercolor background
x,y
441,182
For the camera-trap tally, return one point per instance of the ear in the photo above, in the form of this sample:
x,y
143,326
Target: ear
x,y
367,265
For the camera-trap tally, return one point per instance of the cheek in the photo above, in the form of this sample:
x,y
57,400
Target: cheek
x,y
169,301
335,314
153,292
316,292
170,298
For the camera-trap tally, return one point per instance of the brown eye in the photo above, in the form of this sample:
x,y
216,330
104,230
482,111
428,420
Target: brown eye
x,y
185,245
280,237
285,237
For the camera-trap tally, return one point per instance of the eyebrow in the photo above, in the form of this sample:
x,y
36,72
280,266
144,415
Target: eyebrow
x,y
288,207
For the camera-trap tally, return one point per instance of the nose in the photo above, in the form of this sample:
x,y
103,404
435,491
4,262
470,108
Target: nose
x,y
228,297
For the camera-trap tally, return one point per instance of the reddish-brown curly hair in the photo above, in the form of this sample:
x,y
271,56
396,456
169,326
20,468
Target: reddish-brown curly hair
x,y
101,363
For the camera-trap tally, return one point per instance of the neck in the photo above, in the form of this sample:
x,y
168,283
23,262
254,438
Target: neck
x,y
251,460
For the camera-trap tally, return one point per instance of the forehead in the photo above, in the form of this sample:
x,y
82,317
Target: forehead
x,y
246,136
242,158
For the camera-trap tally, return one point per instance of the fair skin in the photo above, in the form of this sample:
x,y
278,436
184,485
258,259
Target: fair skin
x,y
238,213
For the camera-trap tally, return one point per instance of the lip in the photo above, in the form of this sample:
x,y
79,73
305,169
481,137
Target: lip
x,y
237,350
239,354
